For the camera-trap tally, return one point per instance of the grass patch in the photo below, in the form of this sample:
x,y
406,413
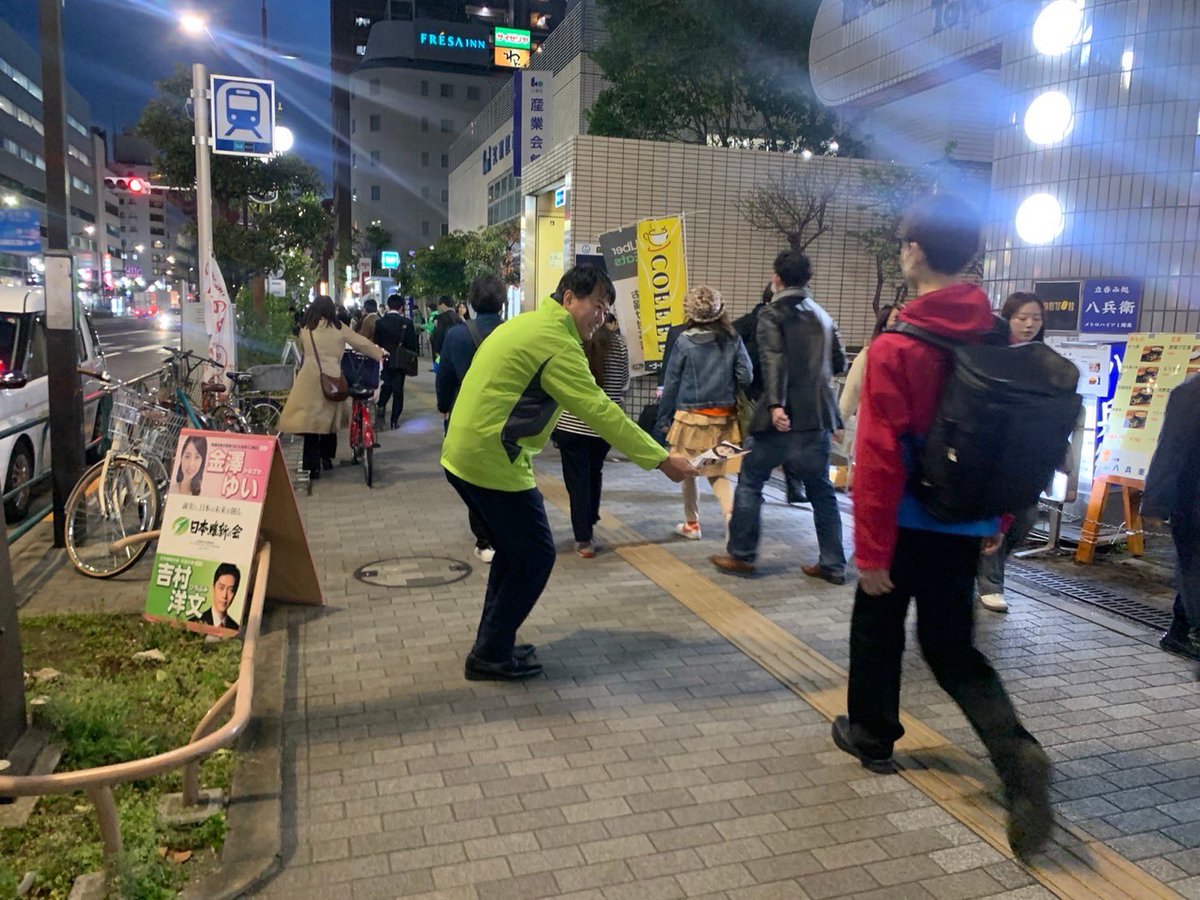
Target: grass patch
x,y
107,707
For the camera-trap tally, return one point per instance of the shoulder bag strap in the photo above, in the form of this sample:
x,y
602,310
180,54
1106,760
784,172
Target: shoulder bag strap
x,y
473,329
923,334
317,356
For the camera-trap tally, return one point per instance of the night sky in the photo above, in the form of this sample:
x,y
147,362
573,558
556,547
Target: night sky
x,y
117,49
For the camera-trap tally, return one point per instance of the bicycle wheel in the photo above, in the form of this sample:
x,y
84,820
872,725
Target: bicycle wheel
x,y
227,418
106,506
263,417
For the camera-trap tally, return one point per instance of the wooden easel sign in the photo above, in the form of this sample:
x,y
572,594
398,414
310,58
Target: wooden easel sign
x,y
225,492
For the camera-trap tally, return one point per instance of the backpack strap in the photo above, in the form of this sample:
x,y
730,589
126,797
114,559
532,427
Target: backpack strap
x,y
923,334
473,330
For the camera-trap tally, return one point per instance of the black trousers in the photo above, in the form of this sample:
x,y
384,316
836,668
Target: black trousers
x,y
391,383
520,534
583,473
1185,530
318,447
938,571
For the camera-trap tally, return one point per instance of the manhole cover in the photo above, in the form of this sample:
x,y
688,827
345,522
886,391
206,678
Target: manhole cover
x,y
413,571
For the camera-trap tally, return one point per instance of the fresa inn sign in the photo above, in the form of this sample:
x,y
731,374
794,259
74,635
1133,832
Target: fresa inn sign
x,y
451,40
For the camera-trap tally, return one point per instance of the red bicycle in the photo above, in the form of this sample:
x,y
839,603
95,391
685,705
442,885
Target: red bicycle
x,y
362,374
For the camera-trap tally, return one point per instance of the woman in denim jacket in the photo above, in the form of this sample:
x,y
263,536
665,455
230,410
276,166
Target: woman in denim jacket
x,y
705,370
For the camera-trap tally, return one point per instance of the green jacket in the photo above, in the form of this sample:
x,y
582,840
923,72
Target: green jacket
x,y
510,400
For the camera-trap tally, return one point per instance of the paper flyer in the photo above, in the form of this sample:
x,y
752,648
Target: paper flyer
x,y
723,452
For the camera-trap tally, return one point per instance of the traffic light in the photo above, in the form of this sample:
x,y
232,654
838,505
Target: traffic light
x,y
130,184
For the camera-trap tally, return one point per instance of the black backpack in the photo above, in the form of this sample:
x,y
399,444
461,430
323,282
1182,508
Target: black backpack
x,y
1002,427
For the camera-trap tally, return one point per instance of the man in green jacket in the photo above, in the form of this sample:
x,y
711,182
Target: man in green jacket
x,y
509,402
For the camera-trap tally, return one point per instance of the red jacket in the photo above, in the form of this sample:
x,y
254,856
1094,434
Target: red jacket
x,y
900,395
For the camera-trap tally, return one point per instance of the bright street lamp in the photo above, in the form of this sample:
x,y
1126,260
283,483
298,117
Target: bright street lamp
x,y
140,248
10,200
193,23
1058,27
1040,219
284,139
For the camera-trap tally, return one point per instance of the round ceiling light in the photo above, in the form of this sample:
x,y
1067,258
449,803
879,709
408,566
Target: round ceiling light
x,y
1040,219
1058,27
1049,118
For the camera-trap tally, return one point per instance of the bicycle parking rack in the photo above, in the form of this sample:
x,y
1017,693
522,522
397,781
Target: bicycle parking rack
x,y
206,739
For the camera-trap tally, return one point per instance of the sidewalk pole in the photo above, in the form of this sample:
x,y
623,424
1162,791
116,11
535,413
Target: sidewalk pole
x,y
62,309
12,672
204,233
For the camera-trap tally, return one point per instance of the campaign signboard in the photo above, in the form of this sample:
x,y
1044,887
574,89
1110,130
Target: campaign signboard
x,y
226,491
1154,365
1110,306
1060,300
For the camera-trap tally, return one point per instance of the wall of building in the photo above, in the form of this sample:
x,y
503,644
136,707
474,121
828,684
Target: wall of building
x,y
415,124
616,182
1126,173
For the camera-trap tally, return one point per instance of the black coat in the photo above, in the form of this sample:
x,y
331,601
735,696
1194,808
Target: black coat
x,y
1173,481
446,319
799,351
395,330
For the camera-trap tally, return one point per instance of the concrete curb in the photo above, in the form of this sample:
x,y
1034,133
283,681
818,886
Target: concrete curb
x,y
253,847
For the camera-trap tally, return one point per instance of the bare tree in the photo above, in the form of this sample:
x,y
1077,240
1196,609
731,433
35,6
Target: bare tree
x,y
795,206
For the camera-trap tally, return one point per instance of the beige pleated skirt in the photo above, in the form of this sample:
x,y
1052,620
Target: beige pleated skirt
x,y
692,433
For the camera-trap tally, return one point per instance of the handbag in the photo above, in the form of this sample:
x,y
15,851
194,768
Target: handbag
x,y
403,360
335,389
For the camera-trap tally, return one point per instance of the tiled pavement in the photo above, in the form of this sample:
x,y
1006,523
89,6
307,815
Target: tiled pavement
x,y
655,759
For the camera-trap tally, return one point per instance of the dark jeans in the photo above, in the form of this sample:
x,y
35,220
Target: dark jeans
x,y
391,382
520,533
991,565
805,456
318,447
938,571
583,473
1186,534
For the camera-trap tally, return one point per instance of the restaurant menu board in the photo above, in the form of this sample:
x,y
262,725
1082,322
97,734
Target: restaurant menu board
x,y
1154,365
201,574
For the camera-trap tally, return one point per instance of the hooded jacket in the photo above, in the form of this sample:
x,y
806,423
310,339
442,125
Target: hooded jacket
x,y
900,396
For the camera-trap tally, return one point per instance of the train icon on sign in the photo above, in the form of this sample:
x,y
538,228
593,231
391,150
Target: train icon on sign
x,y
243,116
244,111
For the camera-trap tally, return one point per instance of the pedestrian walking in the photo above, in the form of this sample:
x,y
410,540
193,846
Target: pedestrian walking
x,y
905,553
1025,316
580,449
486,296
508,404
366,325
308,412
698,410
793,422
447,318
1172,495
747,328
393,332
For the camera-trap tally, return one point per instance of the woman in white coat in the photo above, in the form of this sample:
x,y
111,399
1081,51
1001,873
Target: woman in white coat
x,y
322,340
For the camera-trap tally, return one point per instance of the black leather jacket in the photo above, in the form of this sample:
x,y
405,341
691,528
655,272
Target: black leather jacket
x,y
799,351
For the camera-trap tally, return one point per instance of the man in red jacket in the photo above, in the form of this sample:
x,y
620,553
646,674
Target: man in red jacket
x,y
904,553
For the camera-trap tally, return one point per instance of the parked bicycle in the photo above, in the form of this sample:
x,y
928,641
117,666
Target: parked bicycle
x,y
251,401
176,383
362,375
121,496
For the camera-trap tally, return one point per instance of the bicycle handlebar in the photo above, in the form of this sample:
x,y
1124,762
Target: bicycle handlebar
x,y
99,376
188,354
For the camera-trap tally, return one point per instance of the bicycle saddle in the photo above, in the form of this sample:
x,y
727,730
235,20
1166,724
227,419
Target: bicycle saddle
x,y
213,388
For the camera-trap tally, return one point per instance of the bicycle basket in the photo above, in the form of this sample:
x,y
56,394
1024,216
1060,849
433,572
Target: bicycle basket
x,y
360,371
138,426
271,379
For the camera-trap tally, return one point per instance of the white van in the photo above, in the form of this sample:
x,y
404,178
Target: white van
x,y
25,393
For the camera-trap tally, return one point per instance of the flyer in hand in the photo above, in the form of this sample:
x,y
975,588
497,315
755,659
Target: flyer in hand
x,y
723,452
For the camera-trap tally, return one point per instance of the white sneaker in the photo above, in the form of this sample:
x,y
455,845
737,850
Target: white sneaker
x,y
689,530
994,602
486,554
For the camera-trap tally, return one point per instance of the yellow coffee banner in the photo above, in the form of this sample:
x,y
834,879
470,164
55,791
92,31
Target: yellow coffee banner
x,y
662,281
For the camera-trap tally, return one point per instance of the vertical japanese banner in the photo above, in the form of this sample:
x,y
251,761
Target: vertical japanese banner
x,y
201,573
219,321
532,93
621,261
662,282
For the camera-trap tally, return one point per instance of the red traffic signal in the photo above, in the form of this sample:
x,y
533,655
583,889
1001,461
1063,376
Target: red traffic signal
x,y
132,184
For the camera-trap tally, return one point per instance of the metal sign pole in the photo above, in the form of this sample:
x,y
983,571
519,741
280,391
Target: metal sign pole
x,y
204,235
12,673
62,310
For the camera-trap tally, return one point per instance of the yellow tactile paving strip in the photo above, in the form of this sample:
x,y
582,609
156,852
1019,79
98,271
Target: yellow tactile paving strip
x,y
1075,866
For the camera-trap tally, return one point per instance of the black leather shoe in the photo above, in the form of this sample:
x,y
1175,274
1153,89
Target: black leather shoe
x,y
523,651
327,464
1187,644
815,571
510,670
882,765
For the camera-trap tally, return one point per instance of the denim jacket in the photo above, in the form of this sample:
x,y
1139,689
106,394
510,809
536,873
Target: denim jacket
x,y
705,369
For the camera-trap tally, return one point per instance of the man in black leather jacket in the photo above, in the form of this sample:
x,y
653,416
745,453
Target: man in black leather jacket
x,y
799,351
